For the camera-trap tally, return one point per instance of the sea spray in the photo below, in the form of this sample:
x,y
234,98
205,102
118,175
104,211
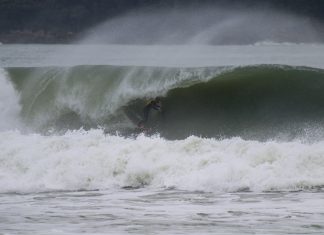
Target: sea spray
x,y
203,25
9,104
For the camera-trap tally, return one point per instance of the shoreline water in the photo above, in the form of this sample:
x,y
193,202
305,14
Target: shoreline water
x,y
162,212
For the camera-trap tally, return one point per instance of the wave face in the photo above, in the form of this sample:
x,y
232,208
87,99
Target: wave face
x,y
81,160
254,102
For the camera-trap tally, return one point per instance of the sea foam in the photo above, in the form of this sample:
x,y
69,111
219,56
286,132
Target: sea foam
x,y
88,160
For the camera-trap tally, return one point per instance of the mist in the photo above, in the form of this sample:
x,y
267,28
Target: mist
x,y
208,25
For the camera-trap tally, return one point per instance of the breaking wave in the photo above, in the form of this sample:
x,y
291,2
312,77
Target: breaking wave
x,y
77,128
254,102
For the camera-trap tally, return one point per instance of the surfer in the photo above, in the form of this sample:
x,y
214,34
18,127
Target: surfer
x,y
153,104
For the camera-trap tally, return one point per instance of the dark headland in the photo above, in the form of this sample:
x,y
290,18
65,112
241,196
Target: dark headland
x,y
61,21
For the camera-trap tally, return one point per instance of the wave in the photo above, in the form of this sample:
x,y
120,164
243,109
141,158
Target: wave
x,y
88,160
263,123
273,43
254,102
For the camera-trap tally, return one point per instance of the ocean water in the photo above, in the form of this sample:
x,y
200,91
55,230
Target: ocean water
x,y
238,148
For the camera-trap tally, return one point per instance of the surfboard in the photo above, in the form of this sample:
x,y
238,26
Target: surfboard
x,y
134,117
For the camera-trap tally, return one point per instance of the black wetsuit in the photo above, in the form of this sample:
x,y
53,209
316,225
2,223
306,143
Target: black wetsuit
x,y
152,105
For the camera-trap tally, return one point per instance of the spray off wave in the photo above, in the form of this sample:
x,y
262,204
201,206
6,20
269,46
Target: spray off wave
x,y
204,25
9,104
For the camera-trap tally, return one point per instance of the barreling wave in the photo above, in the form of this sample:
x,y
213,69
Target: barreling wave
x,y
260,102
250,103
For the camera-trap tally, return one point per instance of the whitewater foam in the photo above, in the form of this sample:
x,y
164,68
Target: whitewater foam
x,y
87,160
9,104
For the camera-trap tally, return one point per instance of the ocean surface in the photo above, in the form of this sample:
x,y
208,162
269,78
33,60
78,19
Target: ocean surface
x,y
237,149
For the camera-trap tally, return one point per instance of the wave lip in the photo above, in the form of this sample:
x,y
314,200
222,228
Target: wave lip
x,y
273,43
90,160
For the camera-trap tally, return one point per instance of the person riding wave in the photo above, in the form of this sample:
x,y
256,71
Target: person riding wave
x,y
153,104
